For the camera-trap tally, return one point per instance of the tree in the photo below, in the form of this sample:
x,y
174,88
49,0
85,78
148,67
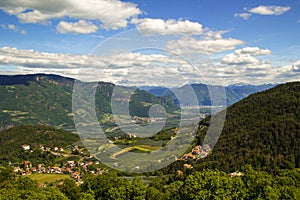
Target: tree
x,y
70,189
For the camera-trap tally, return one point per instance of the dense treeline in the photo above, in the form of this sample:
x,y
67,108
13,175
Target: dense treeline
x,y
262,130
207,184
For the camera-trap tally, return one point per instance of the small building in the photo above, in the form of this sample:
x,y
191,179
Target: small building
x,y
234,174
26,147
203,154
179,172
196,151
130,135
189,156
26,164
42,148
16,169
188,166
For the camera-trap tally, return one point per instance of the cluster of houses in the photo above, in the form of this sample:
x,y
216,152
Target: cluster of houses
x,y
26,147
197,152
74,168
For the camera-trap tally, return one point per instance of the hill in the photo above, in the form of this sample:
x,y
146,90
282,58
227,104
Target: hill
x,y
11,141
47,99
262,130
35,99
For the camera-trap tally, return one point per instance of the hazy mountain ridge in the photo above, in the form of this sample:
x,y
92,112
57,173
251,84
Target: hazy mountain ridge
x,y
234,93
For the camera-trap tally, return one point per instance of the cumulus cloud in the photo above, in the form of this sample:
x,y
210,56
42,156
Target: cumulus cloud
x,y
287,73
34,59
245,56
14,28
187,37
296,66
263,10
239,59
113,14
137,68
253,51
149,26
269,10
80,27
245,16
111,68
207,45
243,66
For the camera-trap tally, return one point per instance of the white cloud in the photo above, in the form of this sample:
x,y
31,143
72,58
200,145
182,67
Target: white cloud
x,y
203,45
113,14
242,66
296,66
263,10
136,65
34,16
287,73
187,37
239,59
245,16
80,27
269,10
140,68
14,28
158,26
23,32
34,59
245,56
253,51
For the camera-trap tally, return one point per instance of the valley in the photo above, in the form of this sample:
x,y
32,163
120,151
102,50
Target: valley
x,y
260,137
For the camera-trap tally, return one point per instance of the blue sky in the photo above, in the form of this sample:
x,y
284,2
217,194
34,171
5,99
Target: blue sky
x,y
248,41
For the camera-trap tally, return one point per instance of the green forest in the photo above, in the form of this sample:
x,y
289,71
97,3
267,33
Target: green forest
x,y
262,130
206,184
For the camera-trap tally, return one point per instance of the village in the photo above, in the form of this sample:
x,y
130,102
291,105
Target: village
x,y
74,168
85,163
198,152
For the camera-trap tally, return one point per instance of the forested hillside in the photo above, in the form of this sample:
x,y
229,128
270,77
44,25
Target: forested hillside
x,y
11,142
262,130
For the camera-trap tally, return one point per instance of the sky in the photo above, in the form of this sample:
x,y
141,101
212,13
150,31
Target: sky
x,y
139,42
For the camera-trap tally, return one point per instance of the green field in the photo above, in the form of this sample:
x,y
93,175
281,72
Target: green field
x,y
49,178
137,148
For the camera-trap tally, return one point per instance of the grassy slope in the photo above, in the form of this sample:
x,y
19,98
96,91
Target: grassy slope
x,y
49,178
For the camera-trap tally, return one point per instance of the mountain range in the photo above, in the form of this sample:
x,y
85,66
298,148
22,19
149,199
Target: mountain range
x,y
47,99
234,93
